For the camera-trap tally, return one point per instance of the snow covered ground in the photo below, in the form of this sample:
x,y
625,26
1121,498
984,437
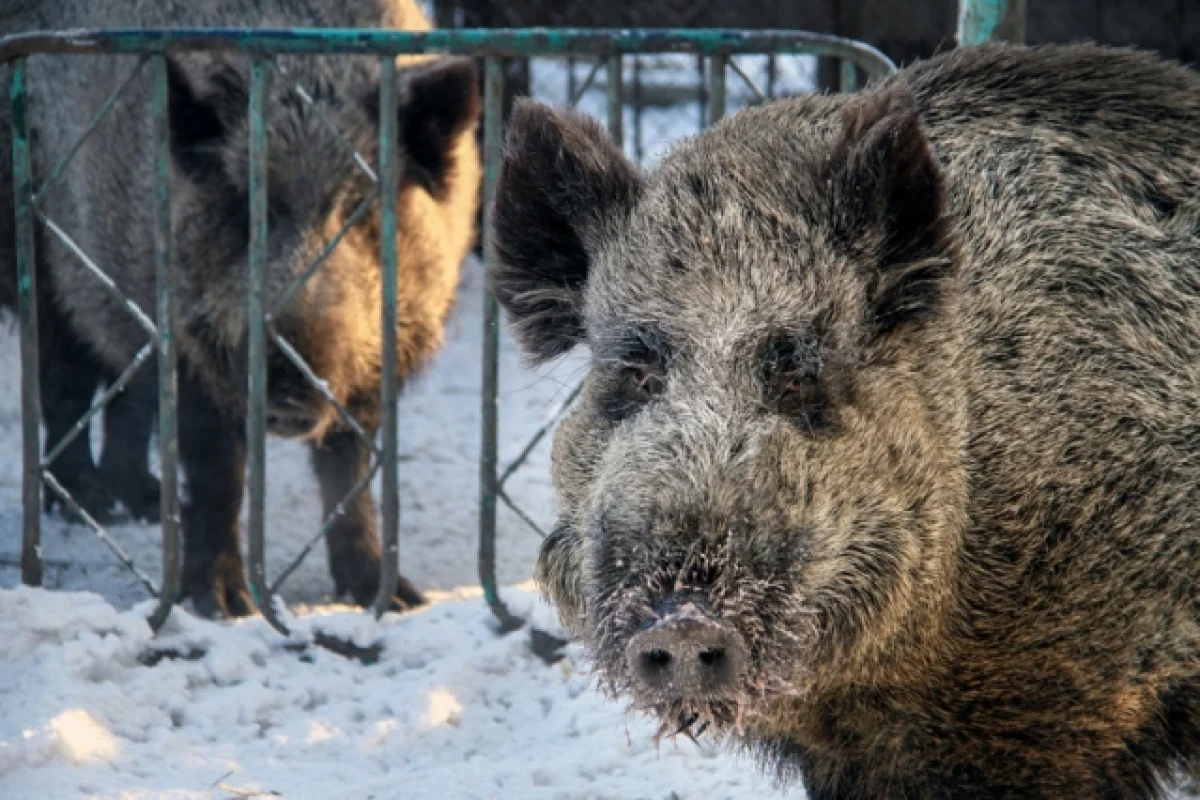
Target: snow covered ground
x,y
450,710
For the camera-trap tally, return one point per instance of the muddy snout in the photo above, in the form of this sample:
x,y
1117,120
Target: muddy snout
x,y
686,655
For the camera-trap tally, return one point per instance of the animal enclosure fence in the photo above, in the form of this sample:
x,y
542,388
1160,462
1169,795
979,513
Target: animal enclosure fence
x,y
604,50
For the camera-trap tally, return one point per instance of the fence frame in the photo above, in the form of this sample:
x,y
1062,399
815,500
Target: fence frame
x,y
718,46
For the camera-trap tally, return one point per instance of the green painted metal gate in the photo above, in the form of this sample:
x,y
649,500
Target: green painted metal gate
x,y
606,48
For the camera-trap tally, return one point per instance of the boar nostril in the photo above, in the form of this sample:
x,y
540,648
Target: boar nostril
x,y
656,660
686,657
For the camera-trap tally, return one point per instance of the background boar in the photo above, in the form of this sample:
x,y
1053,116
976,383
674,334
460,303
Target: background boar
x,y
887,461
104,203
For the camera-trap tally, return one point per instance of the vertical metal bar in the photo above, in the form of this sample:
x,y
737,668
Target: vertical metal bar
x,y
571,80
31,474
701,93
616,100
256,461
717,87
168,444
389,189
638,144
1000,20
849,77
772,74
493,110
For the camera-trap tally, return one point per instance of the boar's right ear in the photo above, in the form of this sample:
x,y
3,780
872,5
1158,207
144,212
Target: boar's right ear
x,y
561,185
200,117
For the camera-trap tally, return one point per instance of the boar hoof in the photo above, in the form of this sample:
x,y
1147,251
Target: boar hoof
x,y
218,590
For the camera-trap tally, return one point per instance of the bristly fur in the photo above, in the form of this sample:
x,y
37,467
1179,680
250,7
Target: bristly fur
x,y
903,386
319,110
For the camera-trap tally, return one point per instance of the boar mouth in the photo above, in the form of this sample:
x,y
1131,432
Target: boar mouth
x,y
702,656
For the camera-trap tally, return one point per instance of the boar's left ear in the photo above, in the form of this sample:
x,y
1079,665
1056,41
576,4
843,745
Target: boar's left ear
x,y
562,185
888,185
438,102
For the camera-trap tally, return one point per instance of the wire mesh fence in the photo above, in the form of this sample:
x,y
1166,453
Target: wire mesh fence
x,y
651,87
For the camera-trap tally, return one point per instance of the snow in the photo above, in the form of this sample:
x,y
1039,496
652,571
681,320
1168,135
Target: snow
x,y
451,709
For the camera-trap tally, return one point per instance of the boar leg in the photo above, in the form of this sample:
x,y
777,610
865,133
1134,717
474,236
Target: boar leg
x,y
340,460
70,376
124,462
212,452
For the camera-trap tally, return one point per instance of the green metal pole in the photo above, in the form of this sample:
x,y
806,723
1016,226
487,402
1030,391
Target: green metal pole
x,y
849,78
716,84
168,443
389,189
493,111
256,429
998,20
616,100
31,475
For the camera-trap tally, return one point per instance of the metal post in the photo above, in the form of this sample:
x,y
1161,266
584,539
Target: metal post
x,y
493,109
256,455
616,101
31,474
638,105
717,88
701,94
168,443
999,20
849,78
389,189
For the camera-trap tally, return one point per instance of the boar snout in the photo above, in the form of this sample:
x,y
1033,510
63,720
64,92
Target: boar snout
x,y
687,656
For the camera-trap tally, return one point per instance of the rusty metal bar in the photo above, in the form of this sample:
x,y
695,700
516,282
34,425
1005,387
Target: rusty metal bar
x,y
256,429
168,441
493,109
31,472
390,188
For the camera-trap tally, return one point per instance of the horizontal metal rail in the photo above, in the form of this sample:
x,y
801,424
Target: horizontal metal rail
x,y
495,42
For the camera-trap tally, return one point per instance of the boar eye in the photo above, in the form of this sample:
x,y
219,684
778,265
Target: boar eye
x,y
643,381
634,365
792,380
796,392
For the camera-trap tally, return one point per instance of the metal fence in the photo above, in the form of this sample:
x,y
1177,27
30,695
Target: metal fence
x,y
605,53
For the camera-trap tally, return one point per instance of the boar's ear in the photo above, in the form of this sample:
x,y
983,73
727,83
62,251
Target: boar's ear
x,y
561,184
440,103
201,110
889,188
